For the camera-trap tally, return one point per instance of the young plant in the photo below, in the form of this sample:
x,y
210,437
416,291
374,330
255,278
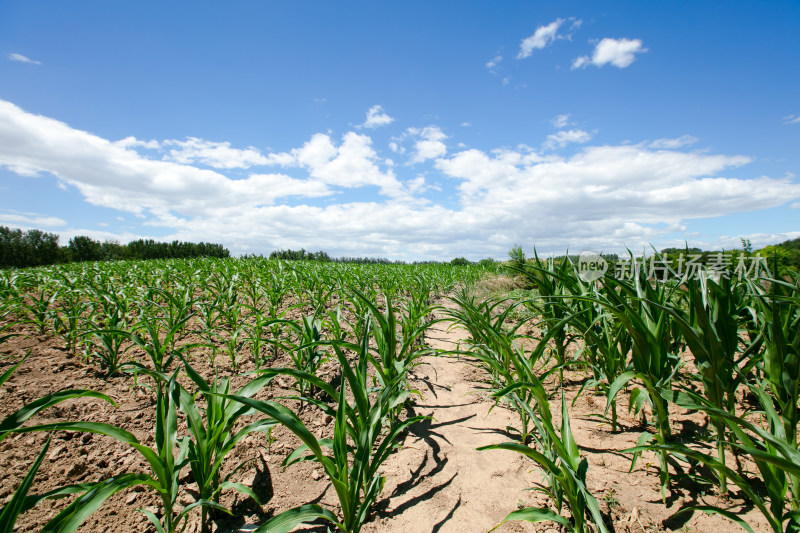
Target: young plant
x,y
109,344
770,448
20,501
212,435
365,434
165,465
563,467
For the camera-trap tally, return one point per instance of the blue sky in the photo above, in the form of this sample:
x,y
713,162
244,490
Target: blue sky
x,y
413,130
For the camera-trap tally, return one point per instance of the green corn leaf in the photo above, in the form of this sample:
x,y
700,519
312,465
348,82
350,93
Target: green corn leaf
x,y
534,514
288,520
9,513
15,420
710,509
71,518
7,374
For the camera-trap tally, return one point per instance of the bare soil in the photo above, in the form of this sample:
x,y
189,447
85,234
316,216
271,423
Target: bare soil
x,y
437,482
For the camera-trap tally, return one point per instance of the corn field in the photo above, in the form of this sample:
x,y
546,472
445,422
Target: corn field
x,y
229,358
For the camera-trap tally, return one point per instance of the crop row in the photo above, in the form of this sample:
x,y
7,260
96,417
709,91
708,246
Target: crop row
x,y
151,321
698,342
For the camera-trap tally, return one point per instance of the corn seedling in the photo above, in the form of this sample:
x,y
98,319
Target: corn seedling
x,y
563,467
20,501
212,436
769,448
365,435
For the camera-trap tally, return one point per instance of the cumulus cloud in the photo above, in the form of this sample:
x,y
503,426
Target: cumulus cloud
x,y
565,137
354,163
608,197
618,52
426,143
213,154
602,197
543,36
111,175
23,59
376,118
494,62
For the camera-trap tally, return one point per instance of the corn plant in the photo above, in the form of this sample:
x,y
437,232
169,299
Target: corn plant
x,y
38,306
778,316
165,465
254,330
607,342
20,501
506,358
305,353
396,355
109,344
212,435
778,313
9,320
174,313
233,342
67,317
770,448
710,326
564,469
161,353
485,325
364,436
549,280
640,308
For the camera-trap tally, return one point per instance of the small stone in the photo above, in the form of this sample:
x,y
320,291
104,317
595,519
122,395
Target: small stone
x,y
76,470
58,450
131,498
316,475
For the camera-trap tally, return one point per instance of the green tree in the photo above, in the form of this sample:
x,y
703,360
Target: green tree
x,y
84,248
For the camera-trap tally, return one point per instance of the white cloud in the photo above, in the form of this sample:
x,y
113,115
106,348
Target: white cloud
x,y
494,62
22,59
426,143
111,175
214,154
791,119
354,163
564,137
671,144
602,197
429,143
618,52
543,36
561,121
376,117
608,197
30,220
133,142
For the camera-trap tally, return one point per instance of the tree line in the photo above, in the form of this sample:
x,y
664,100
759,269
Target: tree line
x,y
34,247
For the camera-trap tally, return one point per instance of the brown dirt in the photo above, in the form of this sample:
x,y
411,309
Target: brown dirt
x,y
438,481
